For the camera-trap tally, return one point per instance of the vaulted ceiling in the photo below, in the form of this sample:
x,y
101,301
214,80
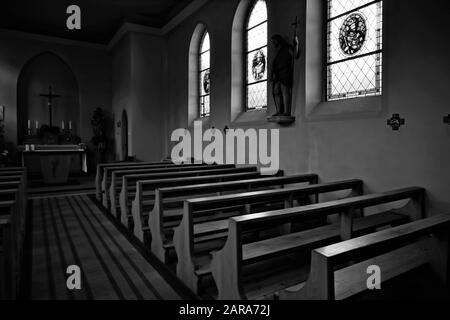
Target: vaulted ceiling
x,y
100,19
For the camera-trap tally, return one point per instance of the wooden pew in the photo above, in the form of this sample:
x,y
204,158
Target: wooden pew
x,y
227,264
102,166
11,173
395,251
105,179
169,204
21,169
117,179
9,248
108,175
144,193
16,182
188,235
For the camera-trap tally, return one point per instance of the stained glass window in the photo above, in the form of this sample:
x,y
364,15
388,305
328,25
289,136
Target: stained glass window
x,y
256,56
204,76
355,48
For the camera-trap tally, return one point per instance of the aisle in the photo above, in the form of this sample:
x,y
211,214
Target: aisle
x,y
71,230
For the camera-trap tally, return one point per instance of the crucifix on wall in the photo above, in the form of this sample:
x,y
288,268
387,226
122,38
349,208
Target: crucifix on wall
x,y
50,97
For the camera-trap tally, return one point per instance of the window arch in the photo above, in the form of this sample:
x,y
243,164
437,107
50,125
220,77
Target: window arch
x,y
256,40
204,76
354,48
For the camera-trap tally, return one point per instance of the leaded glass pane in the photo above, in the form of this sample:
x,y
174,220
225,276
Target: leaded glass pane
x,y
204,61
205,106
256,56
257,66
205,83
205,44
258,14
354,63
257,95
257,37
342,6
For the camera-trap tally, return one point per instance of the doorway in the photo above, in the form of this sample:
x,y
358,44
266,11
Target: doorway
x,y
124,135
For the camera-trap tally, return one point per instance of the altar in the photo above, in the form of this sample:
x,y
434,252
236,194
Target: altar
x,y
55,160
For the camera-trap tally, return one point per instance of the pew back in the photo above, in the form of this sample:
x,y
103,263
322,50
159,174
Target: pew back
x,y
230,280
339,271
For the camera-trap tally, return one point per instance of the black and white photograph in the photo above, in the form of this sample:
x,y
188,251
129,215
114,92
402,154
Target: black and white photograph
x,y
228,157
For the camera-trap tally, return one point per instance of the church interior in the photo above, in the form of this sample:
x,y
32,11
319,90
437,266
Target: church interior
x,y
299,150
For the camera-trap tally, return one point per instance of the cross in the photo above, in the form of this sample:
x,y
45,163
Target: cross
x,y
396,122
447,119
50,97
296,23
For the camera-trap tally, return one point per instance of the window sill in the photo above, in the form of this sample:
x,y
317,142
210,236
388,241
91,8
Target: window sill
x,y
205,122
345,109
252,117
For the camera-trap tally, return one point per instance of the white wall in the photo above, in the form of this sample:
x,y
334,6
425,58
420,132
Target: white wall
x,y
345,146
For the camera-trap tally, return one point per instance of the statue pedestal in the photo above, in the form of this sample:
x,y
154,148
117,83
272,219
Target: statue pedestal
x,y
286,120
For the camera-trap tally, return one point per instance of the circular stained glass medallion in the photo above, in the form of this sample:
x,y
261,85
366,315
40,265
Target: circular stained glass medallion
x,y
206,82
259,65
352,34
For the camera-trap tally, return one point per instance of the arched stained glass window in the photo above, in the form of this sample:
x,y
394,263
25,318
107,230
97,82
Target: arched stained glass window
x,y
355,48
204,76
256,56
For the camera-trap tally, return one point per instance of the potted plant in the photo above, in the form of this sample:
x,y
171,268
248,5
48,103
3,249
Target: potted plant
x,y
99,140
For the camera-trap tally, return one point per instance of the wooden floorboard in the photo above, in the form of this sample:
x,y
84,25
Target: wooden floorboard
x,y
72,230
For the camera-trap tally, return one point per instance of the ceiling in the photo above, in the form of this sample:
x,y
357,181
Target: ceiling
x,y
100,19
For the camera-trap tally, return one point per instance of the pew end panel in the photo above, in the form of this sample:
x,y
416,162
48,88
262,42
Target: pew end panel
x,y
186,267
229,257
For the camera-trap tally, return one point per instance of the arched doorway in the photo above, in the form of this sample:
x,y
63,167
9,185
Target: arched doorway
x,y
124,135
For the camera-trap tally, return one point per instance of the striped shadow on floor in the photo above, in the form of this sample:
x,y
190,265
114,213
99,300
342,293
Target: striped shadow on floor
x,y
71,230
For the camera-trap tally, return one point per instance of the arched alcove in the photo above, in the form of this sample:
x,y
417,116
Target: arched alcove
x,y
38,74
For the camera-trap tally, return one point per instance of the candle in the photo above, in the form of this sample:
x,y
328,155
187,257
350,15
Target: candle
x,y
62,124
70,125
29,124
37,124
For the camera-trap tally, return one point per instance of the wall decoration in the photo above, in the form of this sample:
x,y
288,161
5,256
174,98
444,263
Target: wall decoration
x,y
352,34
447,120
396,122
282,75
206,82
259,65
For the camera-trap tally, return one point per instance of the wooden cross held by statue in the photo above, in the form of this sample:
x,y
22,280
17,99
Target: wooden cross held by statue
x,y
50,97
296,40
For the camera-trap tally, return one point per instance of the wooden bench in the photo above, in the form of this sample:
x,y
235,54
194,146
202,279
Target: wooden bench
x,y
167,212
9,248
101,166
106,178
6,169
11,173
117,179
135,214
188,235
339,271
228,264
